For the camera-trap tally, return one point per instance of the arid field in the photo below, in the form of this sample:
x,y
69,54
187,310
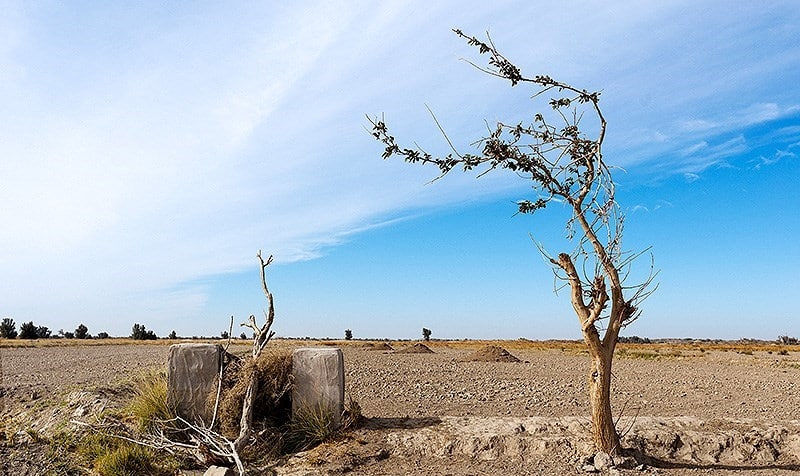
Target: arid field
x,y
717,385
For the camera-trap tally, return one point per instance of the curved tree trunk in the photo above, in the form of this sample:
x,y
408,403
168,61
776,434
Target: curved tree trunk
x,y
603,431
246,422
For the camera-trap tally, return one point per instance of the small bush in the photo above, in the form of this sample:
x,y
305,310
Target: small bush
x,y
348,334
173,335
102,335
783,352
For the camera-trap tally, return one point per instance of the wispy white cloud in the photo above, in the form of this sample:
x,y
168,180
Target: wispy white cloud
x,y
763,161
662,204
692,149
701,156
754,114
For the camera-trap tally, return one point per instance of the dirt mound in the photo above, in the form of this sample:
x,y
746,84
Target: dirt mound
x,y
491,353
416,349
378,346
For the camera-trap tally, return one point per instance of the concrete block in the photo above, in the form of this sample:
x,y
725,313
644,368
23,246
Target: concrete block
x,y
219,471
192,376
318,374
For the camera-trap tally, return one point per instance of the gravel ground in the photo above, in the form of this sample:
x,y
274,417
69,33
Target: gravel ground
x,y
549,383
553,383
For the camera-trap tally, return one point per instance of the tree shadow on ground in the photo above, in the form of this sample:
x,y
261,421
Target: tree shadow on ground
x,y
379,423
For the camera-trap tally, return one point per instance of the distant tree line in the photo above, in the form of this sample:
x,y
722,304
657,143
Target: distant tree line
x,y
633,340
29,330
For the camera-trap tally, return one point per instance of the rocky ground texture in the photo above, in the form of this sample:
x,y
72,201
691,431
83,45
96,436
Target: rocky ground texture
x,y
690,412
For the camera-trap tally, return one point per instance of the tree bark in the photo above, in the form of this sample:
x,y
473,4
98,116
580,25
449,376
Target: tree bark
x,y
603,431
246,422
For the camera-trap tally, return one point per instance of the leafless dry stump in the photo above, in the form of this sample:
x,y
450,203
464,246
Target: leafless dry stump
x,y
261,337
566,165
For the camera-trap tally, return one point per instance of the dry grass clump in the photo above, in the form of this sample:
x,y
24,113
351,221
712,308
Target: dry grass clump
x,y
310,426
272,406
150,404
128,460
316,424
635,354
72,452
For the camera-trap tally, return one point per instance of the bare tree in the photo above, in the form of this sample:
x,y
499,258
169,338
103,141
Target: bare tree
x,y
426,334
566,165
261,337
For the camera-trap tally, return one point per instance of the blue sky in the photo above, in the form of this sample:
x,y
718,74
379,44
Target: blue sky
x,y
148,151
